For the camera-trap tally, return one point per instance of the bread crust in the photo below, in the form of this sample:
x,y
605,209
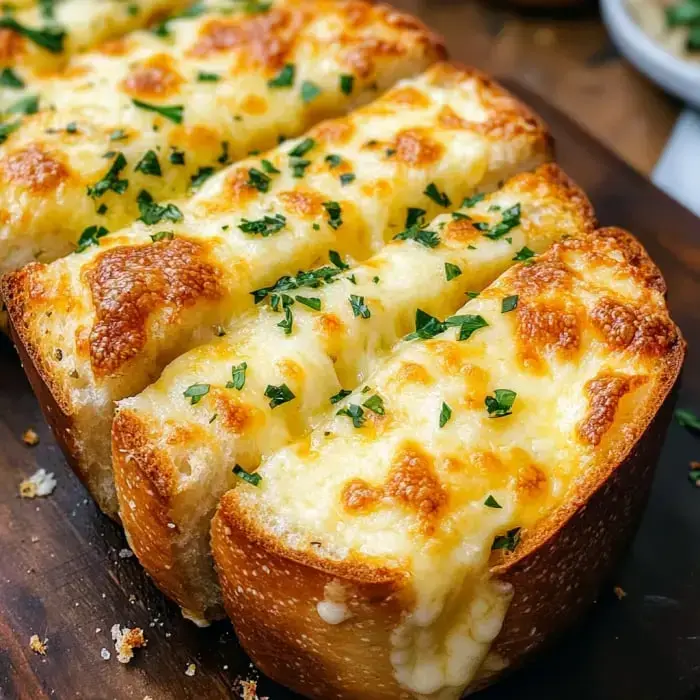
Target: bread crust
x,y
271,591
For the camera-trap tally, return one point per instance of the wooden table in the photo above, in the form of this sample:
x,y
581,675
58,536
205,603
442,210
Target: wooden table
x,y
571,62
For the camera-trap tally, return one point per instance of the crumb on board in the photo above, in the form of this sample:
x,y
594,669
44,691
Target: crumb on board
x,y
126,640
39,484
125,553
249,690
190,670
694,473
30,437
105,654
37,646
619,592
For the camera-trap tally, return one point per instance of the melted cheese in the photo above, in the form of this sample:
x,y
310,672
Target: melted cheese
x,y
583,350
121,310
83,24
214,71
329,348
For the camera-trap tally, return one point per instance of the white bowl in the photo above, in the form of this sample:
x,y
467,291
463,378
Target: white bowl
x,y
680,78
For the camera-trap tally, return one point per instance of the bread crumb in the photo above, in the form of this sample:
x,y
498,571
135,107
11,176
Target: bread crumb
x,y
37,646
30,438
125,553
39,484
619,592
104,653
190,670
126,640
249,690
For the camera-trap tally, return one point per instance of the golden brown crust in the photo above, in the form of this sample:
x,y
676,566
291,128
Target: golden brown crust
x,y
556,570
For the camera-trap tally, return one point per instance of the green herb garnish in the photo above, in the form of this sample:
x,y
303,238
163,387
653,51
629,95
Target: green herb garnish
x,y
196,392
438,197
89,237
149,165
500,404
359,308
251,477
452,271
172,112
264,227
278,395
237,376
111,180
285,78
509,303
153,213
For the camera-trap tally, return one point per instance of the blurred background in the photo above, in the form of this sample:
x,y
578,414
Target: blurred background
x,y
562,50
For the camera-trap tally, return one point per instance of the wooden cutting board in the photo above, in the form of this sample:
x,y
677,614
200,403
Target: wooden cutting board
x,y
61,575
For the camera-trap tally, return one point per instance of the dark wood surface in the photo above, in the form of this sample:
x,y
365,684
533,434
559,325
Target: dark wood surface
x,y
61,576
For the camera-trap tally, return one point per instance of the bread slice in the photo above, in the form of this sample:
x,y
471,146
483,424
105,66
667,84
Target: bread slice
x,y
66,28
173,459
151,116
415,551
98,326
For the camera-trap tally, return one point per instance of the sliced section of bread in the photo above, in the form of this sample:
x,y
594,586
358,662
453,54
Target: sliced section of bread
x,y
379,557
100,325
317,333
152,115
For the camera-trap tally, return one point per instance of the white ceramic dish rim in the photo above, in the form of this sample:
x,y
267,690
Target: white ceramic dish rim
x,y
648,56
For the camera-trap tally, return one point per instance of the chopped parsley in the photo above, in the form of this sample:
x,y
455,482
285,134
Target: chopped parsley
x,y
27,105
334,212
309,91
302,148
149,165
224,157
491,502
288,321
438,197
177,157
524,254
445,414
510,218
10,79
414,217
201,176
162,236
268,167
196,392
355,412
252,478
278,395
172,112
347,178
153,213
359,308
204,77
346,83
335,258
89,237
375,404
312,278
509,303
509,541
111,180
285,78
237,376
49,38
258,179
469,202
452,271
340,395
428,326
264,227
118,135
500,404
299,166
420,235
333,160
687,419
312,302
472,295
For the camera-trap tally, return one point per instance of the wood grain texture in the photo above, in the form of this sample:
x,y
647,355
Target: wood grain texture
x,y
71,580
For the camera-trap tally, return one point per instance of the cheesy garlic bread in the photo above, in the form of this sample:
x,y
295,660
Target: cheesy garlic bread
x,y
315,333
150,117
411,552
38,37
101,324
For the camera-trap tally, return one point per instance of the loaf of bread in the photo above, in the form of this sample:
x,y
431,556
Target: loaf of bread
x,y
318,333
414,550
100,325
